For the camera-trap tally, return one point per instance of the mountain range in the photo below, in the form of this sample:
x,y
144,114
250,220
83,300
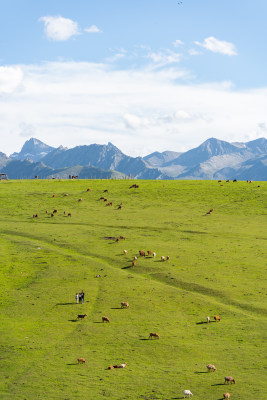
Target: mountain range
x,y
213,159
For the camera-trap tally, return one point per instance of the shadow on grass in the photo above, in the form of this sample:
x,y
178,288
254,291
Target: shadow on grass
x,y
204,322
126,267
64,304
145,339
98,322
218,384
201,372
116,308
73,320
73,364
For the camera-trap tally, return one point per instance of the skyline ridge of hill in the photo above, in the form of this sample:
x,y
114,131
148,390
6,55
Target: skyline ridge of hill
x,y
212,159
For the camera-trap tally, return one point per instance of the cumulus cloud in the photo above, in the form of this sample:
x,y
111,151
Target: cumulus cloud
x,y
93,29
139,111
218,46
165,57
178,43
10,78
59,28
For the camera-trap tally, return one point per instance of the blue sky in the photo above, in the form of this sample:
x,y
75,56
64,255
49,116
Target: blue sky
x,y
145,75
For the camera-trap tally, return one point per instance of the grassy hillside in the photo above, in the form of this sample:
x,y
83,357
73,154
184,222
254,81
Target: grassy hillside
x,y
217,267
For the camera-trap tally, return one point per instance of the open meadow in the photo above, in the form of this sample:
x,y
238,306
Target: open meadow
x,y
217,266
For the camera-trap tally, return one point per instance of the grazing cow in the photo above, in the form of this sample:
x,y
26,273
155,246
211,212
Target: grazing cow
x,y
208,320
69,214
228,180
88,190
135,258
81,360
211,367
66,194
35,216
109,204
226,395
119,207
55,211
52,215
81,316
125,252
149,252
167,258
211,210
154,254
219,181
216,318
105,319
187,393
117,240
102,198
46,211
142,253
124,304
111,367
229,379
162,258
105,199
123,237
80,199
134,264
54,195
153,334
234,180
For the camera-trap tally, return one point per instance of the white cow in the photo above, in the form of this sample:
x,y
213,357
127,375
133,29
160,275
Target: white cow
x,y
187,393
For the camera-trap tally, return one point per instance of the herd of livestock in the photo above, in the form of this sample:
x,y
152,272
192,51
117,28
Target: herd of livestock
x,y
142,253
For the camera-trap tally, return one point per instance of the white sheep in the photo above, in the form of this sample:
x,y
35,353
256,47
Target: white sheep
x,y
208,320
162,258
154,254
125,251
187,393
122,365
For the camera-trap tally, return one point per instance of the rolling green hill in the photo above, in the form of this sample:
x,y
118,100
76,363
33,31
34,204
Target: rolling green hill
x,y
217,266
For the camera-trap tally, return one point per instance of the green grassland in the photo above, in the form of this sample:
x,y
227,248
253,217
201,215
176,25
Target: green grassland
x,y
217,267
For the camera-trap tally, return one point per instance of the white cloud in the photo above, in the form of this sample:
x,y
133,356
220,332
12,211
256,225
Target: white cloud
x,y
93,29
165,57
178,43
59,28
194,52
10,78
139,111
218,46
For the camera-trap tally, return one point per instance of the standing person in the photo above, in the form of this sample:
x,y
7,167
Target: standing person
x,y
77,298
82,296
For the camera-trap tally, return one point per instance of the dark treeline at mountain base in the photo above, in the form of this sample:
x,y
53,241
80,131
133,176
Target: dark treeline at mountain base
x,y
213,159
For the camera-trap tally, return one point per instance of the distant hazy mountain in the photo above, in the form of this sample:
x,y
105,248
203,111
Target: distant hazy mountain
x,y
213,159
27,169
33,149
158,159
3,159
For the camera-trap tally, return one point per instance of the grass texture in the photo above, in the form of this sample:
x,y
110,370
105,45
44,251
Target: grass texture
x,y
217,266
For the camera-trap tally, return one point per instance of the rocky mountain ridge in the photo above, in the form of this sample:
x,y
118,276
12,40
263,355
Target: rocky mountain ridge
x,y
213,159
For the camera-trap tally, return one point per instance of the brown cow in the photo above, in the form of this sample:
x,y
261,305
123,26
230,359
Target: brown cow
x,y
134,264
105,319
123,237
35,216
88,190
216,318
81,316
153,334
80,199
54,195
55,211
81,360
211,367
226,395
52,215
124,304
149,252
69,214
142,253
229,379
